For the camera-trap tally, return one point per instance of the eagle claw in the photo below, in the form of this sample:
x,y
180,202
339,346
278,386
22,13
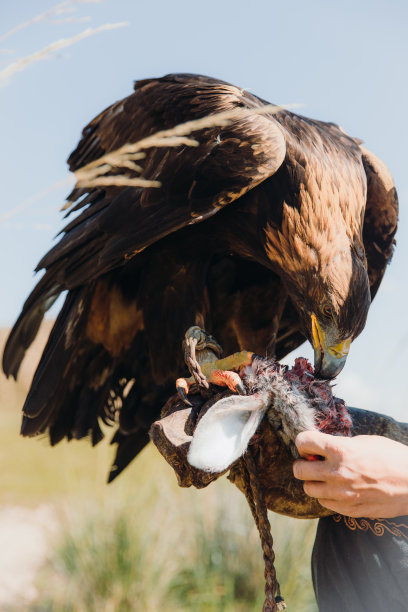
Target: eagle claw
x,y
240,389
200,354
182,387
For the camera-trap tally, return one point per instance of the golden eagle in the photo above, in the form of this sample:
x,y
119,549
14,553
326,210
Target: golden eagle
x,y
275,228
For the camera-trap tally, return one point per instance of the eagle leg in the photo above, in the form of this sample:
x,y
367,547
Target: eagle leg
x,y
199,348
200,353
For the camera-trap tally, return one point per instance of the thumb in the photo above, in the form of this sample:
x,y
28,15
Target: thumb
x,y
313,443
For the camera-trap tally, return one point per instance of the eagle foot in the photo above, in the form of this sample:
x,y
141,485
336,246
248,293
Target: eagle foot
x,y
202,356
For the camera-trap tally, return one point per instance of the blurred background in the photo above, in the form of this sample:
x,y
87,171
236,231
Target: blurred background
x,y
71,542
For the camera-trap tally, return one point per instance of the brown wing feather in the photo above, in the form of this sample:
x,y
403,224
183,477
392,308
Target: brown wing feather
x,y
92,369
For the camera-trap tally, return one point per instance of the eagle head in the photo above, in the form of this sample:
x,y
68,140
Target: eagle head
x,y
333,302
326,277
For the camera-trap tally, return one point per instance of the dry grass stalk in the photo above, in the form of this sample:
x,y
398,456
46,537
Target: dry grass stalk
x,y
95,173
23,62
15,210
51,15
119,181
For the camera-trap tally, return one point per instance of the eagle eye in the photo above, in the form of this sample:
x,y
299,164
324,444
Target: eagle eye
x,y
327,310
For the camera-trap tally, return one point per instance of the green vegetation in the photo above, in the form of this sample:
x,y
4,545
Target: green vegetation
x,y
179,554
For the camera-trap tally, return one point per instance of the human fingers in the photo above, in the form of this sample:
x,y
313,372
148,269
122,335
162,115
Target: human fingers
x,y
314,443
328,491
310,470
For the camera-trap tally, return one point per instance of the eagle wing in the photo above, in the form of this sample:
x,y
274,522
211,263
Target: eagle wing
x,y
116,223
196,181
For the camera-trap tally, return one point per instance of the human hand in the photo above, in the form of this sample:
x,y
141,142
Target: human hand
x,y
361,476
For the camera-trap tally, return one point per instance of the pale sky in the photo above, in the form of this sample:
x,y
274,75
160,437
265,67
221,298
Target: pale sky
x,y
345,62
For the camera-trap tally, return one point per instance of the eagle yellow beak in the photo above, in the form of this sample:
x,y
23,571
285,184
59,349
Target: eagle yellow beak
x,y
329,359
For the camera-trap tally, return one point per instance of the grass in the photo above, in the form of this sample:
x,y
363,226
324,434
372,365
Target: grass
x,y
179,553
102,562
53,15
142,543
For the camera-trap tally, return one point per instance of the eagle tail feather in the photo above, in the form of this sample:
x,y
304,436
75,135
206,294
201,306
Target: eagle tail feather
x,y
129,445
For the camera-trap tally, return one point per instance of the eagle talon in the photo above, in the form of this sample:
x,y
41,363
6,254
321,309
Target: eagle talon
x,y
240,389
201,354
182,387
227,378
